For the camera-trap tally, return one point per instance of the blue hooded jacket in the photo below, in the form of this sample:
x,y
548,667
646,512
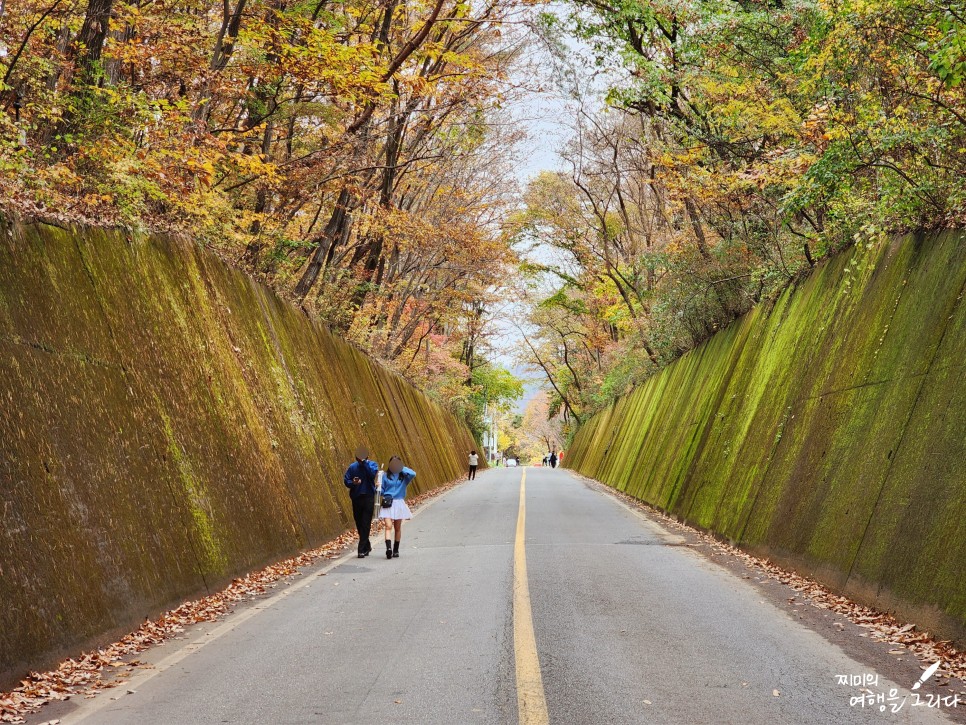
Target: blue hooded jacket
x,y
395,486
365,470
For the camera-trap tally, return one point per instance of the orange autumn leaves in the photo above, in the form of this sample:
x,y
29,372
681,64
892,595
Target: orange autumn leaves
x,y
353,133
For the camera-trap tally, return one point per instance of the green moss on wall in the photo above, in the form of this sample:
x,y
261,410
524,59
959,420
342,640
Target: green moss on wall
x,y
167,424
825,432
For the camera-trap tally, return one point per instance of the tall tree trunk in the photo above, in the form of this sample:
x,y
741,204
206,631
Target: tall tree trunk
x,y
63,45
220,55
699,237
706,255
90,41
371,251
254,247
89,46
113,69
326,243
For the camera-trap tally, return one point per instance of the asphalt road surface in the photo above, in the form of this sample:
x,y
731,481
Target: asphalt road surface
x,y
574,609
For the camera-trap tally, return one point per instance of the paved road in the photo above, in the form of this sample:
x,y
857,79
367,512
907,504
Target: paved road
x,y
629,627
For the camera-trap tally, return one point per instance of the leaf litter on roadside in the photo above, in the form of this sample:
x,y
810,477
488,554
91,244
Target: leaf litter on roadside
x,y
882,627
83,675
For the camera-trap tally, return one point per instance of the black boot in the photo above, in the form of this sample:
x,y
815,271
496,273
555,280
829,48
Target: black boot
x,y
388,549
395,550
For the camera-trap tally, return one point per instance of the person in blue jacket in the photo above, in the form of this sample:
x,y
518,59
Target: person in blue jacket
x,y
394,484
360,479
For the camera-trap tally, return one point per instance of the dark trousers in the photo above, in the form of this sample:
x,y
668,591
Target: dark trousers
x,y
362,507
472,473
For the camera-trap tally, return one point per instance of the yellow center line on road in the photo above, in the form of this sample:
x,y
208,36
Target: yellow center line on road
x,y
531,701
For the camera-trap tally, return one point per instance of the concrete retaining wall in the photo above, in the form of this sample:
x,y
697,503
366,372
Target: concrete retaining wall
x,y
166,424
826,431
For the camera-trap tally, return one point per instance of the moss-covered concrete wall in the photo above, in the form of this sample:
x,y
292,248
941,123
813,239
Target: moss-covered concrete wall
x,y
166,424
827,431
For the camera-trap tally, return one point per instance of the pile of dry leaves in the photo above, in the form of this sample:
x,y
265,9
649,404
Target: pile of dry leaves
x,y
882,627
85,674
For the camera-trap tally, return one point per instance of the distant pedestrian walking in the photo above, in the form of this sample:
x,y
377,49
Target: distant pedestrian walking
x,y
360,479
474,462
553,459
394,509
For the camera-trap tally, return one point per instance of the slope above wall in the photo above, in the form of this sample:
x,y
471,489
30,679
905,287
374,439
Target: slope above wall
x,y
827,431
166,424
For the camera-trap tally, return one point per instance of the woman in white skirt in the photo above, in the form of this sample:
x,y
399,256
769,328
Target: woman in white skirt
x,y
394,487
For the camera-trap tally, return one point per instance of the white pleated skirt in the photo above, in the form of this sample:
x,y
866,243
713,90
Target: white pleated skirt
x,y
398,510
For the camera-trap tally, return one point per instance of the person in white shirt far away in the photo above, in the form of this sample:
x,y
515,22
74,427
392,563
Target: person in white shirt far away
x,y
474,462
